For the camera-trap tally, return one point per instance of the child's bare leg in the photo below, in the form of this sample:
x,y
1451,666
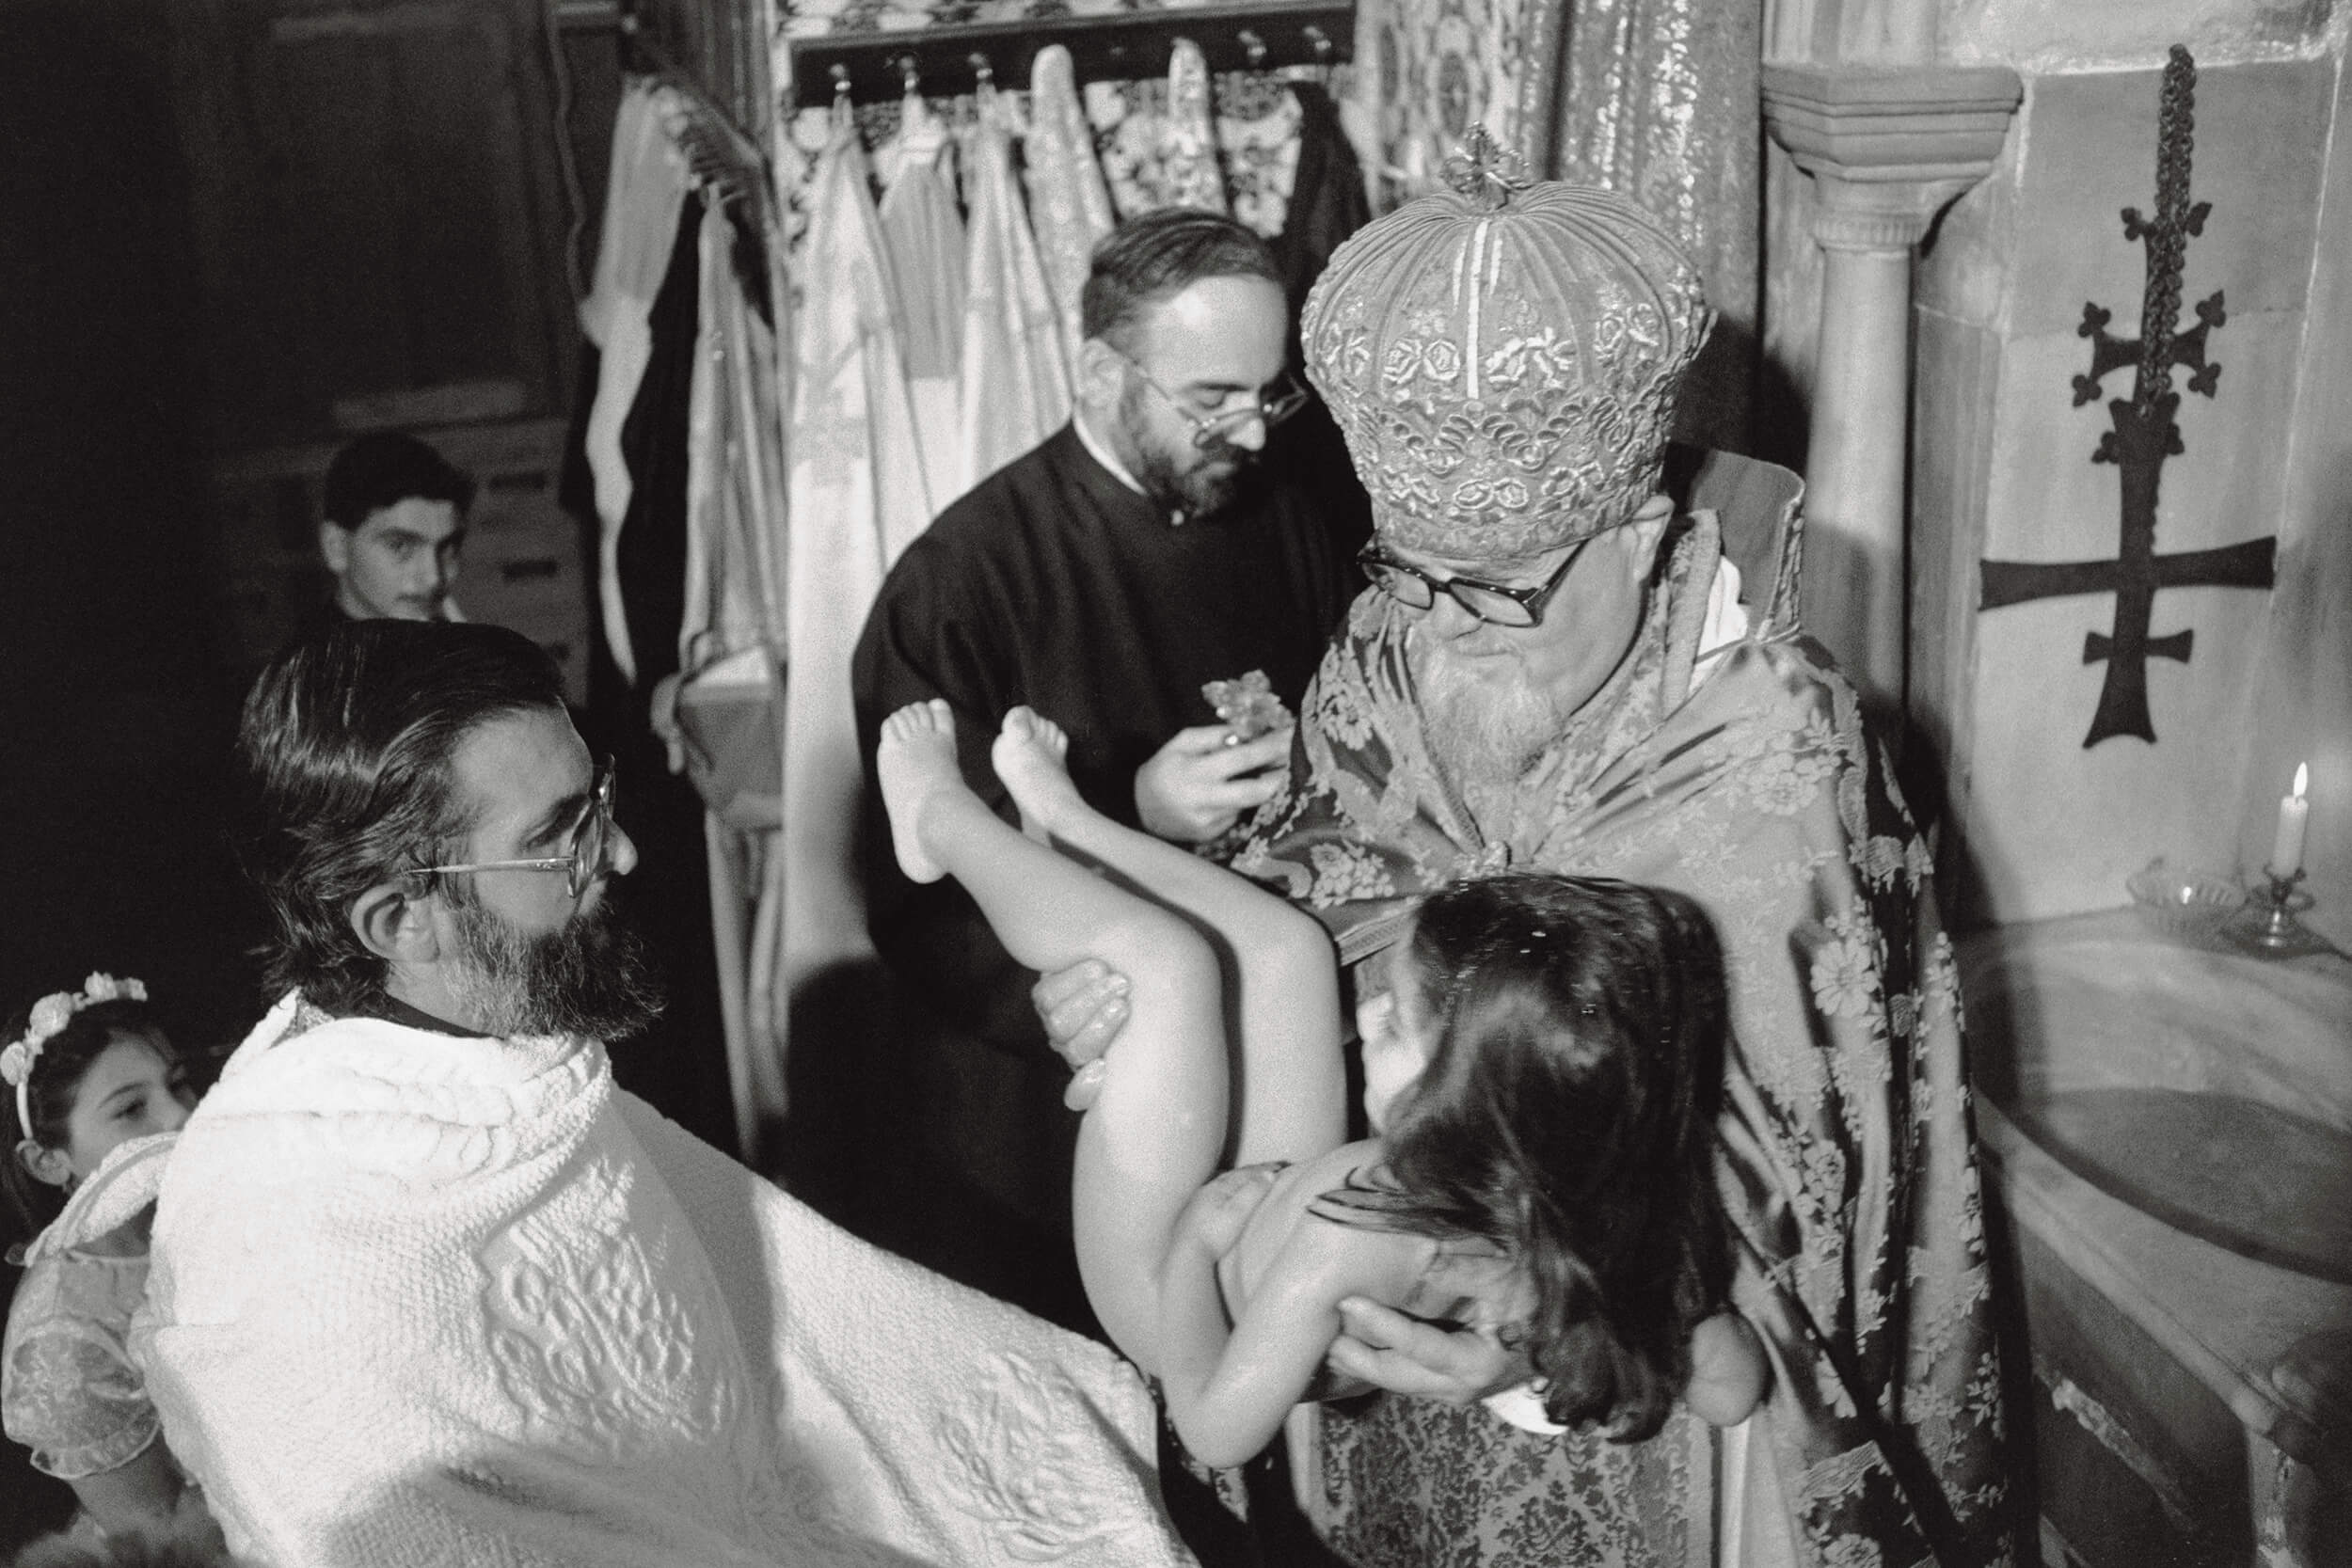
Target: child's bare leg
x,y
1292,1100
1155,1135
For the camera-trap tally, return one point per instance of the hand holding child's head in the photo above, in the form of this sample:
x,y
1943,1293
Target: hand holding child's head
x,y
1387,1348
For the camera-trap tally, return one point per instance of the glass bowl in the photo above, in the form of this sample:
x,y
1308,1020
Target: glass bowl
x,y
2184,903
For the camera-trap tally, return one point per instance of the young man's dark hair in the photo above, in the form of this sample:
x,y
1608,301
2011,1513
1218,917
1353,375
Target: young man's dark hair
x,y
1161,254
347,741
386,468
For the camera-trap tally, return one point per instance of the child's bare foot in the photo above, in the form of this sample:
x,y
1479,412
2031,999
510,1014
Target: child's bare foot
x,y
1031,756
916,761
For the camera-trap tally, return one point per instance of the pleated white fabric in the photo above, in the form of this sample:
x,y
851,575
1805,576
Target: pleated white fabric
x,y
924,233
858,497
1016,376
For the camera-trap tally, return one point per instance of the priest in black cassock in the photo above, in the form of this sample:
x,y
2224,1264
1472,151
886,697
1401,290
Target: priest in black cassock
x,y
1182,528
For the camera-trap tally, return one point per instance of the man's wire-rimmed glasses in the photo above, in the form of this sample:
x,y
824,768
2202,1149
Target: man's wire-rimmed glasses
x,y
1209,430
1496,604
589,856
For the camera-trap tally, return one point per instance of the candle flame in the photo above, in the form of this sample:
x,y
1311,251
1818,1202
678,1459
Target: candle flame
x,y
2302,777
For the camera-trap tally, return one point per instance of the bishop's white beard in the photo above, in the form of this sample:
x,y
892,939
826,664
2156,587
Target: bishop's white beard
x,y
1485,732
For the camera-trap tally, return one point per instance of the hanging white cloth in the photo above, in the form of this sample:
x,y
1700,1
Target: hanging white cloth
x,y
1189,173
731,647
642,198
1069,207
858,499
925,237
1016,377
735,476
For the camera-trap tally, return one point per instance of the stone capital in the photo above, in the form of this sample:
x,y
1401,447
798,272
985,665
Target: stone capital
x,y
1889,145
1879,215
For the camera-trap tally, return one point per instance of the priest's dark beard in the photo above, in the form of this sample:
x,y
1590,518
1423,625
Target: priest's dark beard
x,y
1200,492
593,978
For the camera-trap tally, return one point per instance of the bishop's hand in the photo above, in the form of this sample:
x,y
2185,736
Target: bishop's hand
x,y
1197,785
1385,1348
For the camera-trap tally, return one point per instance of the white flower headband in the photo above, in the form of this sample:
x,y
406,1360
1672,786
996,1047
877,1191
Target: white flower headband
x,y
50,1014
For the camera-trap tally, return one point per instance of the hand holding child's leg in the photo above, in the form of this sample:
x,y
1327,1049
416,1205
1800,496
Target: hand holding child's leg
x,y
1292,1100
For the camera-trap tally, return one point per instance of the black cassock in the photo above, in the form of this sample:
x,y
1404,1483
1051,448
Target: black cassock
x,y
1055,585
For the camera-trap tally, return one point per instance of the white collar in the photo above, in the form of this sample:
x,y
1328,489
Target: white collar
x,y
1726,622
1102,454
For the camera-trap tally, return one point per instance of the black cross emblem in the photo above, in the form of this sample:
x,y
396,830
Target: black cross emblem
x,y
2144,434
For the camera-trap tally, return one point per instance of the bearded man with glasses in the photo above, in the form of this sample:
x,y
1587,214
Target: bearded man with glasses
x,y
428,1288
1557,666
1186,527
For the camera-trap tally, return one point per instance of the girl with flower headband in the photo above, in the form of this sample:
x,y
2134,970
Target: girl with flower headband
x,y
1541,1077
93,1079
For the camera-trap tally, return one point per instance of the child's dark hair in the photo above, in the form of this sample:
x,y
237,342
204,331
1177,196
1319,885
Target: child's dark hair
x,y
56,1078
1567,1116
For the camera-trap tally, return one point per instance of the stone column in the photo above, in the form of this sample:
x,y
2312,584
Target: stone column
x,y
1888,146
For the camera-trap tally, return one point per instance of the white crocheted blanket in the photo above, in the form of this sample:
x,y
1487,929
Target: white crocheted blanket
x,y
422,1300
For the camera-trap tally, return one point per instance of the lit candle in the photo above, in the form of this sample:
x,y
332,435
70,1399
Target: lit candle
x,y
2295,812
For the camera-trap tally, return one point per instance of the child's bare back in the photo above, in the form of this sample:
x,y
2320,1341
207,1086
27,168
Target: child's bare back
x,y
1458,1284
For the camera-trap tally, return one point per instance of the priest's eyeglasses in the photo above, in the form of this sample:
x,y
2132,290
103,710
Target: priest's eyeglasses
x,y
589,857
1495,603
1208,430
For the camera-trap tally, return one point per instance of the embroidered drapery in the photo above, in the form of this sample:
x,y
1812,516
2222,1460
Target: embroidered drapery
x,y
1069,205
1657,100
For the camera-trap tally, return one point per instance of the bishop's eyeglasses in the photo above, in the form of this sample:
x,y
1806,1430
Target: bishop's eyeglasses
x,y
1496,604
